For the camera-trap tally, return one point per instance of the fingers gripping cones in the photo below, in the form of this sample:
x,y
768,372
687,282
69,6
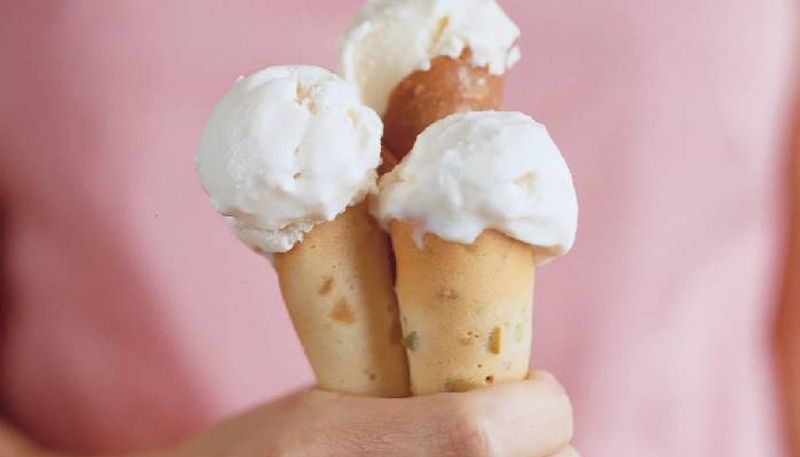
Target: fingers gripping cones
x,y
289,157
480,202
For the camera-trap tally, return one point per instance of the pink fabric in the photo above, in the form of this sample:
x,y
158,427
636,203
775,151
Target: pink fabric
x,y
133,317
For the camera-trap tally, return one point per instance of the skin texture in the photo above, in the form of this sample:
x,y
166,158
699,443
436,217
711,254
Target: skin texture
x,y
13,444
530,418
423,97
787,326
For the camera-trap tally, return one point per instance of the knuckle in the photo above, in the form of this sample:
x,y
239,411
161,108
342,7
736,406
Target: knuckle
x,y
465,434
468,439
551,418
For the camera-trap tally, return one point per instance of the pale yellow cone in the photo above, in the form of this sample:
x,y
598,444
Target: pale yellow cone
x,y
466,310
337,285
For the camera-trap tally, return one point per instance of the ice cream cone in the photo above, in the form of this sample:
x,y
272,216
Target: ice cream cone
x,y
425,96
417,61
466,310
388,161
337,285
289,157
480,202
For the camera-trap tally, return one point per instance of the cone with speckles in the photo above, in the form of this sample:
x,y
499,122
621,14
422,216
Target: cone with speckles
x,y
337,285
465,310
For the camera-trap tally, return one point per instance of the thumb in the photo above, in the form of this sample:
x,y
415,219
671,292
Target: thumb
x,y
526,418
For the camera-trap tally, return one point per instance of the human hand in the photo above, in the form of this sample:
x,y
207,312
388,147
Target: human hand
x,y
531,418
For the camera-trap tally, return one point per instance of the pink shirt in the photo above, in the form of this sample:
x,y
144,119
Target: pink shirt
x,y
133,317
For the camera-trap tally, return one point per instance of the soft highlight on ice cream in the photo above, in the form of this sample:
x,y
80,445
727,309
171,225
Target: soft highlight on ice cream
x,y
470,172
390,39
285,149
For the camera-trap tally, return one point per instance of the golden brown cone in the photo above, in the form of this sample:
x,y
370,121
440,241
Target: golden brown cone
x,y
466,310
337,285
388,161
423,97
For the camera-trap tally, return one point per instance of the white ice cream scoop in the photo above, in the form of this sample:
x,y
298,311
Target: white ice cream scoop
x,y
390,39
285,149
288,157
470,172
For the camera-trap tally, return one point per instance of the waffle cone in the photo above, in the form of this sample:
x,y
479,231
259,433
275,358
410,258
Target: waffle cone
x,y
337,285
425,96
466,310
388,161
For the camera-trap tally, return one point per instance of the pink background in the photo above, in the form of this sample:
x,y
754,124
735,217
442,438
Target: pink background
x,y
134,318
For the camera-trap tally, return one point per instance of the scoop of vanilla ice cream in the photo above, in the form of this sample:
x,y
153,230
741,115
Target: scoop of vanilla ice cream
x,y
390,39
285,149
484,170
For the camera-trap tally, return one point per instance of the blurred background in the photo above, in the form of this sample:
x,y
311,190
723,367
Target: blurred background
x,y
132,317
